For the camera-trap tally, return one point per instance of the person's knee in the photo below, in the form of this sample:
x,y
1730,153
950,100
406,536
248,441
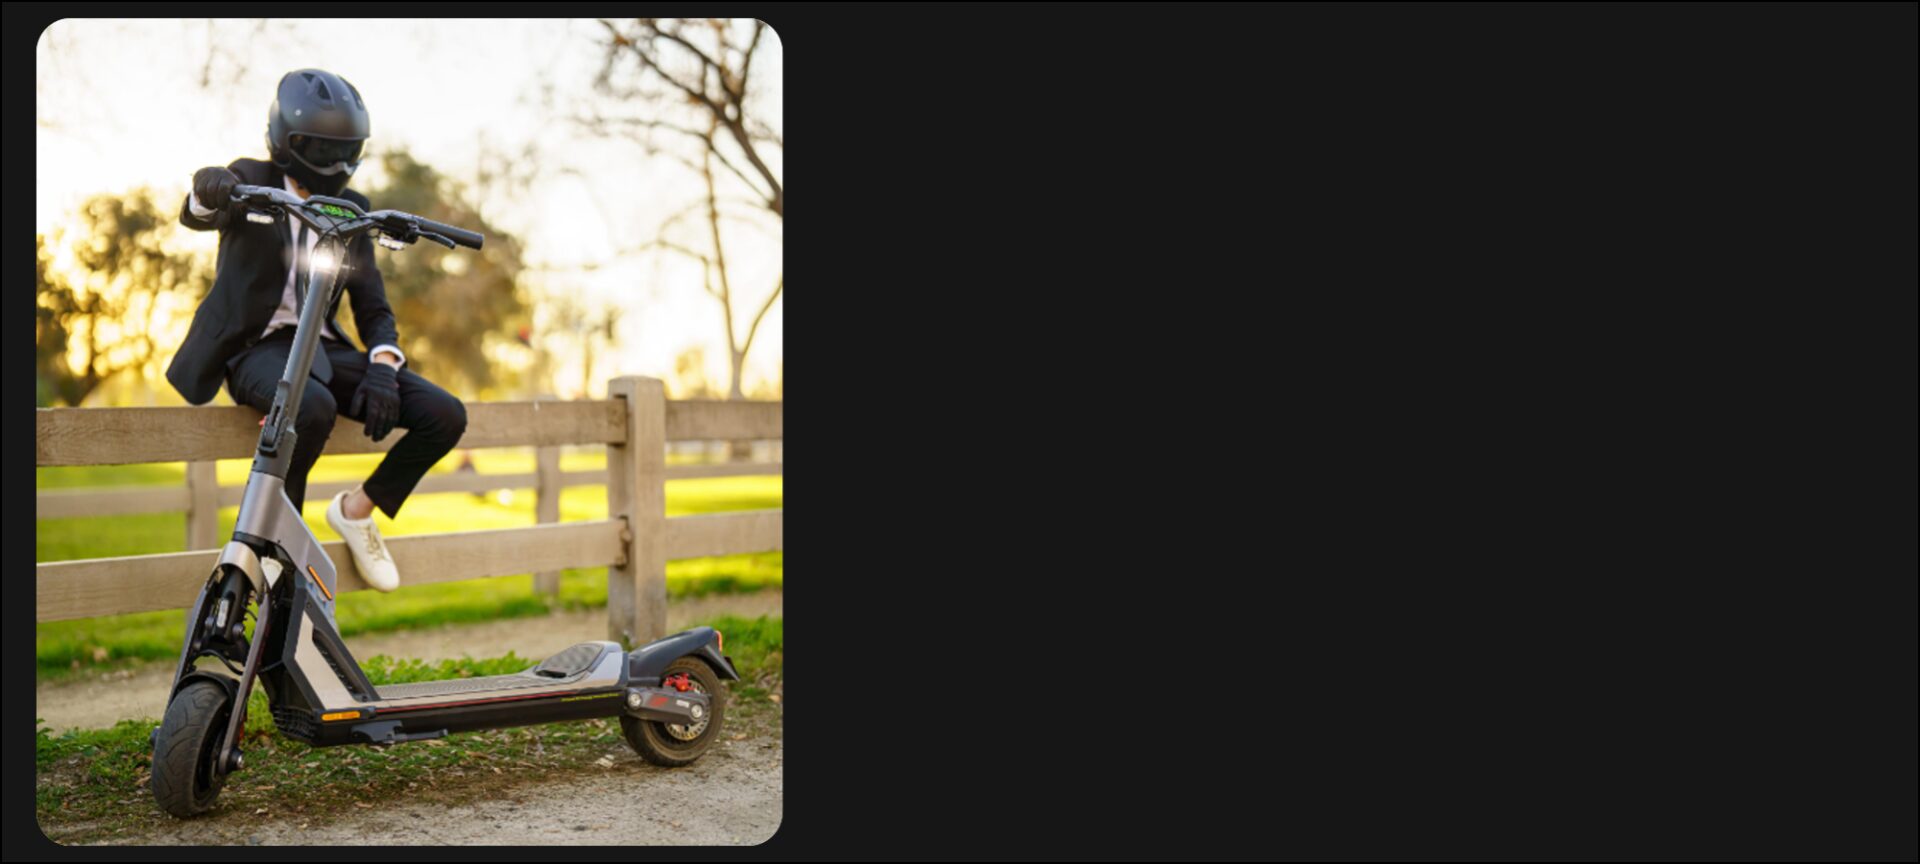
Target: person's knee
x,y
453,417
317,411
445,416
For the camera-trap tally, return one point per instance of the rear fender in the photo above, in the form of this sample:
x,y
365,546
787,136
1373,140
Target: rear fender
x,y
646,663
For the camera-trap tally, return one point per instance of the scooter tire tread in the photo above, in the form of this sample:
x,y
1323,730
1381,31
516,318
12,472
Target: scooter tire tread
x,y
192,717
647,740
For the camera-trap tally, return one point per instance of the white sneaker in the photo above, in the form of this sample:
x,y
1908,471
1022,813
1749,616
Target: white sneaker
x,y
369,551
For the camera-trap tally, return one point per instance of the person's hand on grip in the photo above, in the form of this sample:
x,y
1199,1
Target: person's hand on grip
x,y
213,187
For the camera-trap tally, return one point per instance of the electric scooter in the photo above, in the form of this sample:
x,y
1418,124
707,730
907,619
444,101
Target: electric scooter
x,y
667,694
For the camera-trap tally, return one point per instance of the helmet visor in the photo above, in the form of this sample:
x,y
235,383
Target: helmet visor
x,y
326,154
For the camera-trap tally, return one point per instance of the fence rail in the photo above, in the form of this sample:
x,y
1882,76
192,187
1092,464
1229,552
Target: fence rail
x,y
119,501
634,542
118,436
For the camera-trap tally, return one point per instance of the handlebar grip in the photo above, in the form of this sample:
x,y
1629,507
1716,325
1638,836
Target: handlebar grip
x,y
242,192
461,236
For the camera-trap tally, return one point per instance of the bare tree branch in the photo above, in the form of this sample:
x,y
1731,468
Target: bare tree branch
x,y
742,220
728,164
656,124
685,68
600,124
674,247
671,246
653,28
731,120
621,40
720,265
206,68
753,328
746,64
706,264
763,132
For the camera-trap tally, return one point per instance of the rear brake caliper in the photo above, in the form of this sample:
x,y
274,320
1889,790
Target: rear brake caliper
x,y
678,681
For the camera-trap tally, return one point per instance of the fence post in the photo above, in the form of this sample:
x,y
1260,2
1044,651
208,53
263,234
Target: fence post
x,y
637,492
203,505
547,508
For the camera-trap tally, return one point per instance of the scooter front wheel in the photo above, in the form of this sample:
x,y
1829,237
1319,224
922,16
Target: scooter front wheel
x,y
184,780
674,744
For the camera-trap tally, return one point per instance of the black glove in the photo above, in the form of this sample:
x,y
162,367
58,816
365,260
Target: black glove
x,y
213,188
379,396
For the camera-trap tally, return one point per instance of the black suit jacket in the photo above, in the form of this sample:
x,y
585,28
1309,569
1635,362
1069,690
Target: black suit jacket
x,y
250,275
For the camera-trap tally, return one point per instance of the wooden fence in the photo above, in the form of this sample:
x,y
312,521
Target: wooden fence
x,y
635,542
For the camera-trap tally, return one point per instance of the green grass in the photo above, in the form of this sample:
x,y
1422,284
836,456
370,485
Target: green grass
x,y
149,533
103,643
97,778
111,642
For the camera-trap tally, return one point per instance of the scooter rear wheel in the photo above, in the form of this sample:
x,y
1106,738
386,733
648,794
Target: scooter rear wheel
x,y
184,781
674,745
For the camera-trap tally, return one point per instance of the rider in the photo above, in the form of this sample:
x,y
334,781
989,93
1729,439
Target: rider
x,y
243,331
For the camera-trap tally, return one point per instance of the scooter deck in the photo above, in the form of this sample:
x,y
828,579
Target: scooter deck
x,y
456,686
562,668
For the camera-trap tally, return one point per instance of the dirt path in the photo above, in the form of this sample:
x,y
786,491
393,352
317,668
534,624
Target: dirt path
x,y
732,796
103,700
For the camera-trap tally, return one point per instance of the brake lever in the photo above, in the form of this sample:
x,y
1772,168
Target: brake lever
x,y
438,239
258,212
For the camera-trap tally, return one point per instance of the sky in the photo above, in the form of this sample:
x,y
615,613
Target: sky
x,y
125,103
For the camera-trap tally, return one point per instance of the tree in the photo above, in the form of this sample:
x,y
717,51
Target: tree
x,y
692,79
713,264
126,288
587,326
704,66
690,375
458,311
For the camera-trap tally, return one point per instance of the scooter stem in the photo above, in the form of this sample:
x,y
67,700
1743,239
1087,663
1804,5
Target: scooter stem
x,y
277,435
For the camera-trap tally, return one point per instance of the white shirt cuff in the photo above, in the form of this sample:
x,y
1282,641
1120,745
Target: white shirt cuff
x,y
193,205
394,348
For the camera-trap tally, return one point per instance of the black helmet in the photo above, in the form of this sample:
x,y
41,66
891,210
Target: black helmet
x,y
316,129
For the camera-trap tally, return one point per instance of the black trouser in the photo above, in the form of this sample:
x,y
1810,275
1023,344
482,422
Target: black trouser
x,y
433,418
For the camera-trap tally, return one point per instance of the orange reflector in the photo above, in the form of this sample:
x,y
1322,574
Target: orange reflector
x,y
316,581
723,639
341,715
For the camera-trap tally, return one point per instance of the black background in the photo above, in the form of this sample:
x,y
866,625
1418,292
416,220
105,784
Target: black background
x,y
1469,432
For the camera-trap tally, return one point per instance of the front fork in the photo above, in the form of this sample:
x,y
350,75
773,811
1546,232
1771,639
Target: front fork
x,y
217,627
217,624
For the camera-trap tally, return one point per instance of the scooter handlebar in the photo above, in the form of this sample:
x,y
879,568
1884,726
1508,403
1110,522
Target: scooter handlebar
x,y
462,236
265,195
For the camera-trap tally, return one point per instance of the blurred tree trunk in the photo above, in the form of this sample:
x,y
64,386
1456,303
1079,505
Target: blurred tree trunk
x,y
740,450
